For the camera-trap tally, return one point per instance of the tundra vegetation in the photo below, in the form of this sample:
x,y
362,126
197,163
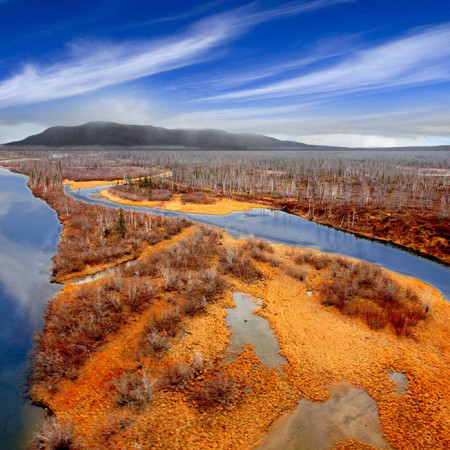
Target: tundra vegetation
x,y
118,360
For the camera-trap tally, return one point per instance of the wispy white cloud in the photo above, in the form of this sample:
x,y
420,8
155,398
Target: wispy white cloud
x,y
417,59
94,66
107,65
321,52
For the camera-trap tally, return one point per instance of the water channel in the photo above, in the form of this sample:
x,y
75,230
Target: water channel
x,y
288,229
29,233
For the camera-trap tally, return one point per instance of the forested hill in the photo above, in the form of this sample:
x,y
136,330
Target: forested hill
x,y
115,134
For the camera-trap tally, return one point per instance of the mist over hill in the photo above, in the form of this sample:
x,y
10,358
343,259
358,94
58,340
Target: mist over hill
x,y
115,134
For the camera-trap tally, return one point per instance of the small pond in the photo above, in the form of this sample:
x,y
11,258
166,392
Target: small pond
x,y
348,413
247,327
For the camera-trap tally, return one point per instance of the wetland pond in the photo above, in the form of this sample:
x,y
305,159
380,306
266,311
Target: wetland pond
x,y
29,233
247,327
348,413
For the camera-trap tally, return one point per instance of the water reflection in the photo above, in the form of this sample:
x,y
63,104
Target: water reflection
x,y
283,228
349,413
247,327
29,232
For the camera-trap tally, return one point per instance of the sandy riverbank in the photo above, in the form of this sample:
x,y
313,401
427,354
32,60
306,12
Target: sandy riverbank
x,y
221,207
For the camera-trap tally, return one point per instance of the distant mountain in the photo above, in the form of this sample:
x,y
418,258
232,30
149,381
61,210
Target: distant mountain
x,y
115,134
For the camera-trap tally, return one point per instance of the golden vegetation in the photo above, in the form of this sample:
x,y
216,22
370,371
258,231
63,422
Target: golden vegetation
x,y
156,378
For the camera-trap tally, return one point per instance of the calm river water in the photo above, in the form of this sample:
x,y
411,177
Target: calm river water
x,y
29,233
284,228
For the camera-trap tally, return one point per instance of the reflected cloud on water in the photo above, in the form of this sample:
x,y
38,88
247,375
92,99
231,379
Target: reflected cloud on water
x,y
29,231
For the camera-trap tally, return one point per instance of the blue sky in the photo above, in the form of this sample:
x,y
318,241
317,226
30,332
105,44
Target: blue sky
x,y
338,72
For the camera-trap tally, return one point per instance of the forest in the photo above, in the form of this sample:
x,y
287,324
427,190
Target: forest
x,y
398,197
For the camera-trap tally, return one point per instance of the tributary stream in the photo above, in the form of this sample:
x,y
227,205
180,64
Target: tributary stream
x,y
288,229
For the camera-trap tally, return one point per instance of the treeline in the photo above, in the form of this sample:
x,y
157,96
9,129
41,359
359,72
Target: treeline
x,y
394,181
396,196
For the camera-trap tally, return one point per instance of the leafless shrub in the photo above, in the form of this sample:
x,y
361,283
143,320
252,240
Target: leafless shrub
x,y
207,285
274,261
317,260
194,305
321,262
167,321
176,376
140,294
159,331
296,272
54,435
216,390
258,254
156,341
251,244
304,256
161,195
231,261
169,277
112,283
135,389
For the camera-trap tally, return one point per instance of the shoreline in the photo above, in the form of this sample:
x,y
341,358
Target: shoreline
x,y
234,206
222,207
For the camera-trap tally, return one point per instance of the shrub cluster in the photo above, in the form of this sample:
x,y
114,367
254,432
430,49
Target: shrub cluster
x,y
76,328
233,260
365,291
90,235
317,260
197,197
135,389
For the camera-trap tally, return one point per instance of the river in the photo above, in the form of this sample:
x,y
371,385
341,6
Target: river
x,y
29,233
288,229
